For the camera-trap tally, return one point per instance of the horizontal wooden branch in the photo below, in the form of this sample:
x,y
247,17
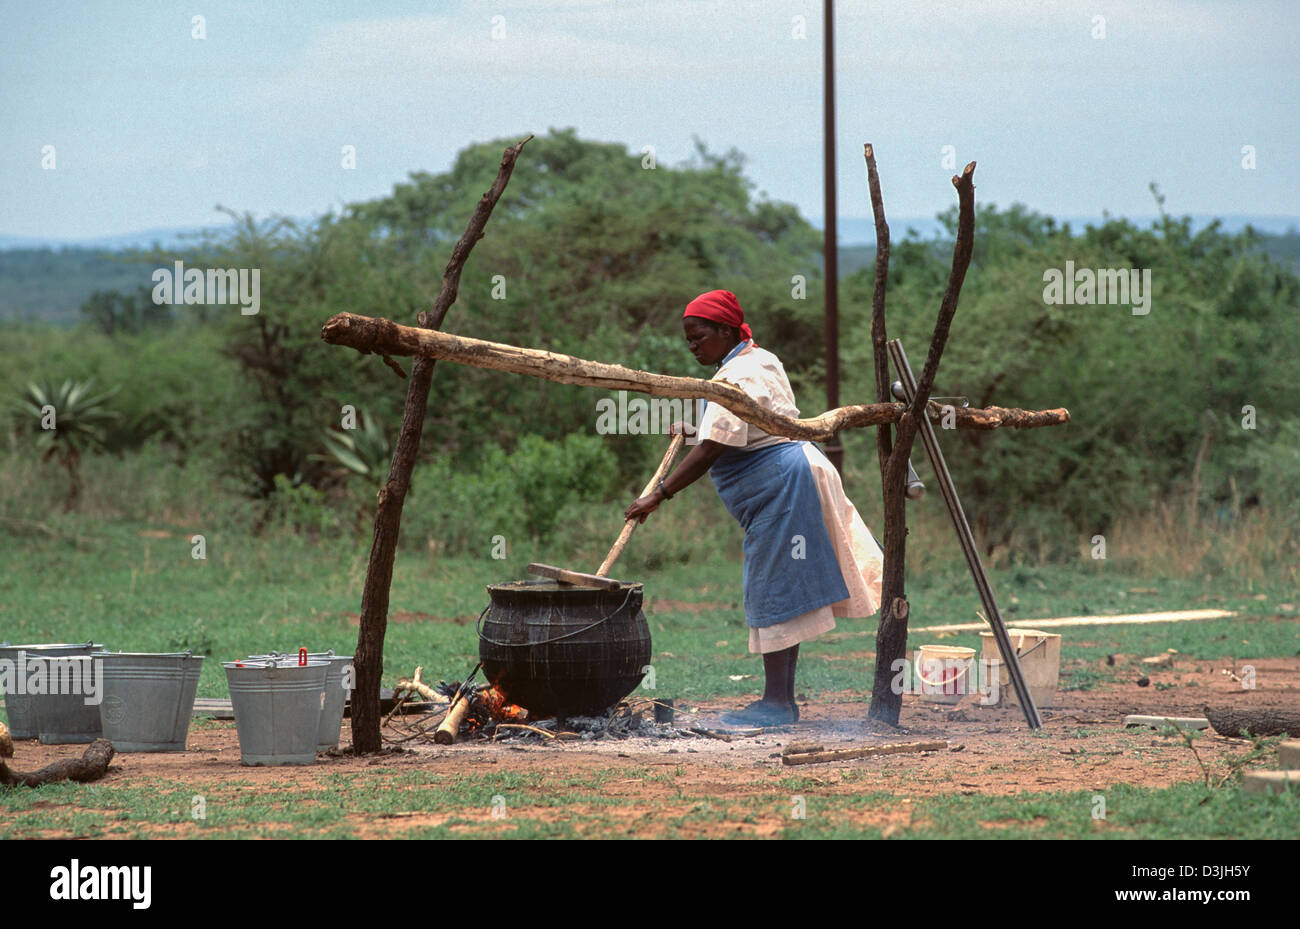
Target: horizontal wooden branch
x,y
384,337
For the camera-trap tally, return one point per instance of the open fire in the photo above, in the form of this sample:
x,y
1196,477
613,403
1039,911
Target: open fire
x,y
491,705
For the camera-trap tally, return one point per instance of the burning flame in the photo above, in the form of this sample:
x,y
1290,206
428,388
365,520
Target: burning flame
x,y
498,706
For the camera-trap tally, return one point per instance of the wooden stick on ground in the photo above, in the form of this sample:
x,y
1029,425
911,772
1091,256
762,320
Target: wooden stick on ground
x,y
843,754
91,766
414,684
500,726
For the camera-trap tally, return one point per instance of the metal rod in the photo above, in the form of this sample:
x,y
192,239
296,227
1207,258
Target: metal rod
x,y
967,540
830,240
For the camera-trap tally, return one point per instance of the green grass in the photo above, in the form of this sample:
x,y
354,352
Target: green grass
x,y
538,806
277,591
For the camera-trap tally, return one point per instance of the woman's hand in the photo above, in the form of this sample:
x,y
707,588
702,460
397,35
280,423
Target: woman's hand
x,y
643,506
696,463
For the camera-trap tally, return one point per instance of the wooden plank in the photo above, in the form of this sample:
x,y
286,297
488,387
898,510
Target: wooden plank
x,y
1124,619
1157,722
213,708
844,754
216,708
575,577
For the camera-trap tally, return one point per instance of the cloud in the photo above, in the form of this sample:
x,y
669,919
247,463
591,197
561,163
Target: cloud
x,y
407,56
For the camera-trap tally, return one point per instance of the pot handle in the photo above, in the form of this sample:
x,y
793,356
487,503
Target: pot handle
x,y
478,624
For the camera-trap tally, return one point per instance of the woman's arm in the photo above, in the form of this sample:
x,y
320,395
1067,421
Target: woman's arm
x,y
691,469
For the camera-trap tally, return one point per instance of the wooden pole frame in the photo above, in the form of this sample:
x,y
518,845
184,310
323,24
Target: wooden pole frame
x,y
387,338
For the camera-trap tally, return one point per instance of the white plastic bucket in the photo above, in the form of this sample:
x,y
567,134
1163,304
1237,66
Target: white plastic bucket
x,y
1040,661
944,672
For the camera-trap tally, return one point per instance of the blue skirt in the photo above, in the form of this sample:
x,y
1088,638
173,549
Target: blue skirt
x,y
790,564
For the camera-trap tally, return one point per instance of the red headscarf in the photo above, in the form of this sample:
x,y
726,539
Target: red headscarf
x,y
720,306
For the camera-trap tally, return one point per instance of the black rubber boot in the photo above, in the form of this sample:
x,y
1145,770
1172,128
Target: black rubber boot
x,y
778,707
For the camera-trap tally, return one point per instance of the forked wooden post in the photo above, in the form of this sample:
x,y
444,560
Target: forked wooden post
x,y
369,657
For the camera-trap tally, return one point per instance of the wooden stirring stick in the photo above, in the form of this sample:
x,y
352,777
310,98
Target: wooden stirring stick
x,y
601,578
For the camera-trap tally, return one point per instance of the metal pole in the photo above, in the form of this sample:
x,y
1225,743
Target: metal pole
x,y
967,540
830,240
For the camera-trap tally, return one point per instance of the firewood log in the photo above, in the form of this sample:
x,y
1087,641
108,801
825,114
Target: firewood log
x,y
1230,721
91,766
449,728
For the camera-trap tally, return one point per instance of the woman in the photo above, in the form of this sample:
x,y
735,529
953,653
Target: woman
x,y
808,554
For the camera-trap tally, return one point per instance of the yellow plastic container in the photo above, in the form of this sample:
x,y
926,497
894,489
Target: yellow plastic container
x,y
1040,660
944,672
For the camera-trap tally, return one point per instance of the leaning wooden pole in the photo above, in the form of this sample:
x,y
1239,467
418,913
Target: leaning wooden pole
x,y
369,657
891,634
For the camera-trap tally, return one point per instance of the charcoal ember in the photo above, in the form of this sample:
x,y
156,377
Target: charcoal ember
x,y
587,723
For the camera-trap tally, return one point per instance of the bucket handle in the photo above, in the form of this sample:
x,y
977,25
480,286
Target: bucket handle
x,y
479,623
1020,654
941,683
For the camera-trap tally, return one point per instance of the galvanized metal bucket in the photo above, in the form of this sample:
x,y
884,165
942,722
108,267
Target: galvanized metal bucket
x,y
20,706
148,699
68,712
277,706
335,694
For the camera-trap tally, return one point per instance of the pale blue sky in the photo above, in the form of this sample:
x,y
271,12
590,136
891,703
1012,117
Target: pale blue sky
x,y
152,128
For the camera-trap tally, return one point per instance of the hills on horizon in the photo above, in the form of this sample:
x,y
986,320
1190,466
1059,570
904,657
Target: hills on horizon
x,y
47,281
853,231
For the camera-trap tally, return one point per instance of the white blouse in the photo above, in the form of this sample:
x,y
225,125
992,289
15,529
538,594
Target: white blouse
x,y
760,374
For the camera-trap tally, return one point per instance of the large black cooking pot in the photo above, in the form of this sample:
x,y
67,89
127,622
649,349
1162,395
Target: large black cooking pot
x,y
556,649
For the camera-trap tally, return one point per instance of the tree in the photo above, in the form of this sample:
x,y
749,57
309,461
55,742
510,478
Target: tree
x,y
114,312
595,255
1147,392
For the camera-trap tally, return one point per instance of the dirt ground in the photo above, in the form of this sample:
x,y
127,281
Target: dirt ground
x,y
991,750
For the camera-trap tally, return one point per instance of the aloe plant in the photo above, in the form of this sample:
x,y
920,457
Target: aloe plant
x,y
365,451
67,419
